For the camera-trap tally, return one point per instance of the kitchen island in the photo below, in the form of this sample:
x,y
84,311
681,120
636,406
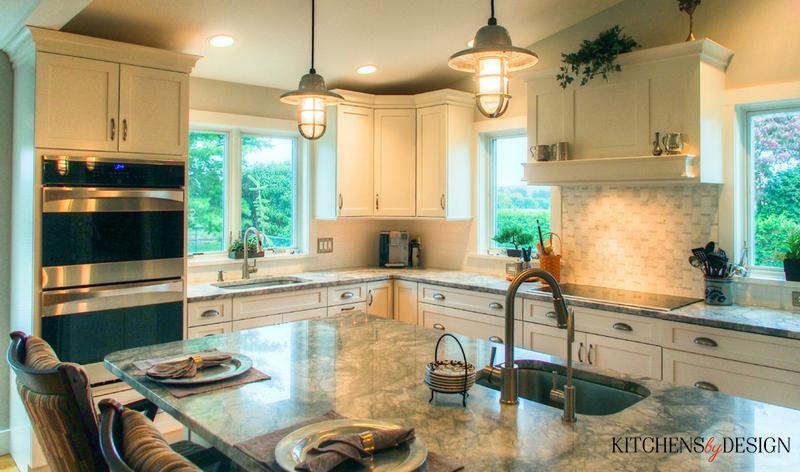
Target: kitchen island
x,y
366,367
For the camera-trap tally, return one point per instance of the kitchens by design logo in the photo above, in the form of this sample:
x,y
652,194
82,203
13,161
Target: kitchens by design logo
x,y
711,446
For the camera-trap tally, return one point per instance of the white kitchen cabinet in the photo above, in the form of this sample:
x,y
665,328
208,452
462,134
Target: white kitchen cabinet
x,y
209,312
467,323
553,341
469,300
379,299
395,162
444,161
209,330
153,111
405,301
278,303
347,294
759,383
354,160
77,101
314,314
624,356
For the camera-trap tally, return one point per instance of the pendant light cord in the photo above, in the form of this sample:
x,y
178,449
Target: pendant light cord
x,y
492,19
313,2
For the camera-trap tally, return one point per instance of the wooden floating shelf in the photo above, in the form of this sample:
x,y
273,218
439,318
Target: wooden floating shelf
x,y
678,168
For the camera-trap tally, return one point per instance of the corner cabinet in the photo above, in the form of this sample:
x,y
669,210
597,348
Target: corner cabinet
x,y
97,105
396,156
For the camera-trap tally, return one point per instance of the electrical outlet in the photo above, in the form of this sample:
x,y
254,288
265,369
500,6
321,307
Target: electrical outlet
x,y
324,245
795,298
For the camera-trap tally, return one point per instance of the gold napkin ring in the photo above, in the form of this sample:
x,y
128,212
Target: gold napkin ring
x,y
367,441
198,361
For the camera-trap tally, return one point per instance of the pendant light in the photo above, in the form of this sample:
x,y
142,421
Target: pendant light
x,y
491,58
311,98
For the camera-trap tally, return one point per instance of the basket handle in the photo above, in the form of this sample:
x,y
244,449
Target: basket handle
x,y
463,355
560,243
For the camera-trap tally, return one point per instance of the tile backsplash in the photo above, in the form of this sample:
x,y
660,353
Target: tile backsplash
x,y
638,237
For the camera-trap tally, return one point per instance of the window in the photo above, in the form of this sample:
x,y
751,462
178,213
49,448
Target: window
x,y
774,180
240,179
514,203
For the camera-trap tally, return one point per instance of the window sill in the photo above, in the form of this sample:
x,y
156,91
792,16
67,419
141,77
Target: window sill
x,y
761,278
218,260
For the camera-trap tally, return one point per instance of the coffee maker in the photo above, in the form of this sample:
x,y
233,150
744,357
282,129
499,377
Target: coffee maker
x,y
393,247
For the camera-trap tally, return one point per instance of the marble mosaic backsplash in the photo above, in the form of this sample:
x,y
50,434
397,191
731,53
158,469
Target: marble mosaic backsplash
x,y
638,238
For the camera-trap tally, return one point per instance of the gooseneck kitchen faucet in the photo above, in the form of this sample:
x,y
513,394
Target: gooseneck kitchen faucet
x,y
565,319
246,269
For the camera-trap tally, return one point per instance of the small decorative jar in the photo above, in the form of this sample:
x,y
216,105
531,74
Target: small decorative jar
x,y
719,291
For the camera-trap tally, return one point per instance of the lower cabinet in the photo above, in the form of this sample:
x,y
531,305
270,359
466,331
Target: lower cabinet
x,y
404,299
553,341
623,356
379,298
740,379
467,323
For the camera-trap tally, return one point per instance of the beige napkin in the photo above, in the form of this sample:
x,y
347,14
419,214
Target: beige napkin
x,y
186,367
332,452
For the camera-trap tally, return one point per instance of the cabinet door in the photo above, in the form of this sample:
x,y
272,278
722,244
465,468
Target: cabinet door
x,y
405,301
624,356
153,111
431,160
354,166
76,103
379,298
395,162
553,341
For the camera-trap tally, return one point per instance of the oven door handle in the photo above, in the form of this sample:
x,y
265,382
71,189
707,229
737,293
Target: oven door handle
x,y
109,297
85,200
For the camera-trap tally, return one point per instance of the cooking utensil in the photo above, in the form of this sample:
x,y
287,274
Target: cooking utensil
x,y
541,240
710,247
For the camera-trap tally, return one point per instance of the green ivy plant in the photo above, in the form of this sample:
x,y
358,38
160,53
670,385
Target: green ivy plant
x,y
237,246
596,57
792,247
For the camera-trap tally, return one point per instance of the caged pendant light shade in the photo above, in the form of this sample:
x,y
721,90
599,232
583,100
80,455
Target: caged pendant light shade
x,y
311,97
492,58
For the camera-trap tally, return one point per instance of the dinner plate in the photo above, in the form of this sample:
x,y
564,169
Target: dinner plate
x,y
449,368
292,449
237,365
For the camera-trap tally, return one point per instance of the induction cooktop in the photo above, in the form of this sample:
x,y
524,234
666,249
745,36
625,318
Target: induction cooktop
x,y
655,301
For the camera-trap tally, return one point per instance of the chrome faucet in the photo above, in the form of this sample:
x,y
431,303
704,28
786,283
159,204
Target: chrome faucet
x,y
246,268
565,318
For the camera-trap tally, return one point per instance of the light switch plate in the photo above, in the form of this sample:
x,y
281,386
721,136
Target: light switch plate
x,y
324,245
795,298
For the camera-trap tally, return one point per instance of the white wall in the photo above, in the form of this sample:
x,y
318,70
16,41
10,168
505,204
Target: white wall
x,y
6,102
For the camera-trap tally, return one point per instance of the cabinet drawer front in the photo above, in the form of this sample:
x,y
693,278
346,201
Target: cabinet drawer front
x,y
618,325
539,312
753,348
624,356
347,294
209,330
467,300
314,314
553,341
474,325
733,378
349,308
209,312
253,323
276,303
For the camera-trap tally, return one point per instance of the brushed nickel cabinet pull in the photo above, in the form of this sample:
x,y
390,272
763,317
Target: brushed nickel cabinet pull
x,y
210,314
113,129
580,352
495,339
702,341
551,314
589,354
341,201
370,298
441,201
706,386
622,327
496,306
438,296
349,308
438,326
346,295
124,129
377,202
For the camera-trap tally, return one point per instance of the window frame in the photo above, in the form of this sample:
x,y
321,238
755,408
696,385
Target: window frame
x,y
236,126
748,218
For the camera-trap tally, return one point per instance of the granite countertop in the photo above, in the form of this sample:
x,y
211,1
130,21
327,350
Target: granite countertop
x,y
749,319
368,367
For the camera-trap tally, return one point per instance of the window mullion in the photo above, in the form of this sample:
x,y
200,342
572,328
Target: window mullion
x,y
235,185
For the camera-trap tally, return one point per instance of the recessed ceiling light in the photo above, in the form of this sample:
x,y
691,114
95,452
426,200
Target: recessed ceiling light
x,y
470,43
221,41
367,69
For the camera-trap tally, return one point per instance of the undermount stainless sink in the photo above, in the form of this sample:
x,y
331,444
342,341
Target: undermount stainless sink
x,y
261,282
596,395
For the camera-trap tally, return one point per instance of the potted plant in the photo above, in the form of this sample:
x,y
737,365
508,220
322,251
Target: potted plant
x,y
791,258
236,248
596,57
515,236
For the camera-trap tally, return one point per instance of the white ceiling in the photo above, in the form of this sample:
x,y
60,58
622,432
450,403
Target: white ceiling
x,y
409,40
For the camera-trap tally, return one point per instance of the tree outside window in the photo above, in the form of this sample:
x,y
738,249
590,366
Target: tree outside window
x,y
206,190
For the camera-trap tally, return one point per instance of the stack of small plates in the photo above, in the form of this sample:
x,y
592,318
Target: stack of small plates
x,y
448,376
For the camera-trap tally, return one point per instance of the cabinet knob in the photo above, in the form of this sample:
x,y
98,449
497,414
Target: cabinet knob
x,y
703,385
210,314
622,327
438,326
703,341
496,306
496,339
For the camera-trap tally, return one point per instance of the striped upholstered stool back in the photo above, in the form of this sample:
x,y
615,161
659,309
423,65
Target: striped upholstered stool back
x,y
59,404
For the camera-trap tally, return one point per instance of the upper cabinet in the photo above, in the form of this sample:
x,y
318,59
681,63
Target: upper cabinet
x,y
99,95
396,156
610,125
